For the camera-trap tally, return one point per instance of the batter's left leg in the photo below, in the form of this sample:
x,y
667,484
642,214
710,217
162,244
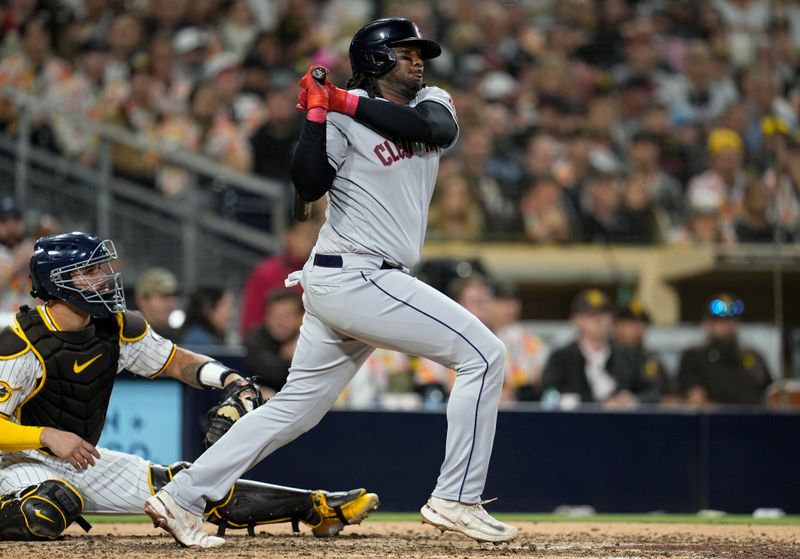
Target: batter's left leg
x,y
392,310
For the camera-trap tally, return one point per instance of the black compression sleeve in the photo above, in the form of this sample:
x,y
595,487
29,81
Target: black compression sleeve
x,y
311,172
428,122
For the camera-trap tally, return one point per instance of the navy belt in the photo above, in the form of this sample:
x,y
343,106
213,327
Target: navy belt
x,y
335,261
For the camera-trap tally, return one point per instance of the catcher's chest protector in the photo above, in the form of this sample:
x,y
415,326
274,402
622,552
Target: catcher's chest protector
x,y
80,368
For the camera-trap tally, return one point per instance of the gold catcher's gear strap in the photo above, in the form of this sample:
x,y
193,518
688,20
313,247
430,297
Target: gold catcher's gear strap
x,y
41,512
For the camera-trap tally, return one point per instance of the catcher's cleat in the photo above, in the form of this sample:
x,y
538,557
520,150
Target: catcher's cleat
x,y
337,510
185,527
471,520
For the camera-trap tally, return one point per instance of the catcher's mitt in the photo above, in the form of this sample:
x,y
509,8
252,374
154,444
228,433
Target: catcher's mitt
x,y
235,402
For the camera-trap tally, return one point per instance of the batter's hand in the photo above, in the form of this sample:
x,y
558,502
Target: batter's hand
x,y
70,447
317,95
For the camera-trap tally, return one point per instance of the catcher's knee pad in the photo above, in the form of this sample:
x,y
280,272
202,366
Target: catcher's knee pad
x,y
162,475
39,512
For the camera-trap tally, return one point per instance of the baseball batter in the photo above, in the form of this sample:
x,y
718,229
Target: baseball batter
x,y
375,150
58,363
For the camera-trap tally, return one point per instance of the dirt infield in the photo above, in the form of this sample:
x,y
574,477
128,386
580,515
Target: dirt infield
x,y
401,540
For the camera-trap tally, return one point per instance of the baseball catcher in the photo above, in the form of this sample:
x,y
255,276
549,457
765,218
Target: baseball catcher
x,y
58,363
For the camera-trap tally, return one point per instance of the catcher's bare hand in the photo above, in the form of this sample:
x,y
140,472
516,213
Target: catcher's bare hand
x,y
70,447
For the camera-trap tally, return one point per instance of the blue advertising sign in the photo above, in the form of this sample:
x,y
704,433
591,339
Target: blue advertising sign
x,y
145,418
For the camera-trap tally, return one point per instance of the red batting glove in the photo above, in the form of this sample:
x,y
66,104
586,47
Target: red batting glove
x,y
316,97
341,101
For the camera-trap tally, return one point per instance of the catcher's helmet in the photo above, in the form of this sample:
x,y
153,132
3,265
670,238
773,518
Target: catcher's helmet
x,y
370,49
57,272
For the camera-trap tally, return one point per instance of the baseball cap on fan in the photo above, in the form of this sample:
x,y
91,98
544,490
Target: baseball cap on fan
x,y
9,208
157,281
189,39
633,310
591,301
221,62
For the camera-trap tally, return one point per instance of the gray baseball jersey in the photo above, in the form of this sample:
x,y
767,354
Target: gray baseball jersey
x,y
118,482
379,200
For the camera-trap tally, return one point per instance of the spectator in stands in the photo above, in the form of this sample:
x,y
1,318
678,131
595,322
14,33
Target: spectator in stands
x,y
245,110
631,321
273,141
238,27
499,213
639,212
269,274
602,219
125,36
745,22
454,212
208,316
724,183
206,129
156,295
703,223
16,249
80,95
753,224
137,113
33,70
697,92
547,215
171,88
270,346
783,178
190,46
721,371
12,15
593,367
644,156
526,353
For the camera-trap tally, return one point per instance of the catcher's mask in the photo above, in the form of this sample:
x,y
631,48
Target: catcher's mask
x,y
76,268
371,48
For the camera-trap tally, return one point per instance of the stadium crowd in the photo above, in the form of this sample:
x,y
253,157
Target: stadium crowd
x,y
652,121
613,121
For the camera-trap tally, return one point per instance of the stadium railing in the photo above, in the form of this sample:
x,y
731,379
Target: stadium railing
x,y
225,221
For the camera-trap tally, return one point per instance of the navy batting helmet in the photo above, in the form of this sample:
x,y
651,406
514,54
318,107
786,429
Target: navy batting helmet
x,y
370,49
76,268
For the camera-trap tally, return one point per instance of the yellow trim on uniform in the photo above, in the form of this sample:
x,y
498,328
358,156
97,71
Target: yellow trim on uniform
x,y
150,479
166,365
52,318
223,504
121,322
68,484
41,362
46,319
64,518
